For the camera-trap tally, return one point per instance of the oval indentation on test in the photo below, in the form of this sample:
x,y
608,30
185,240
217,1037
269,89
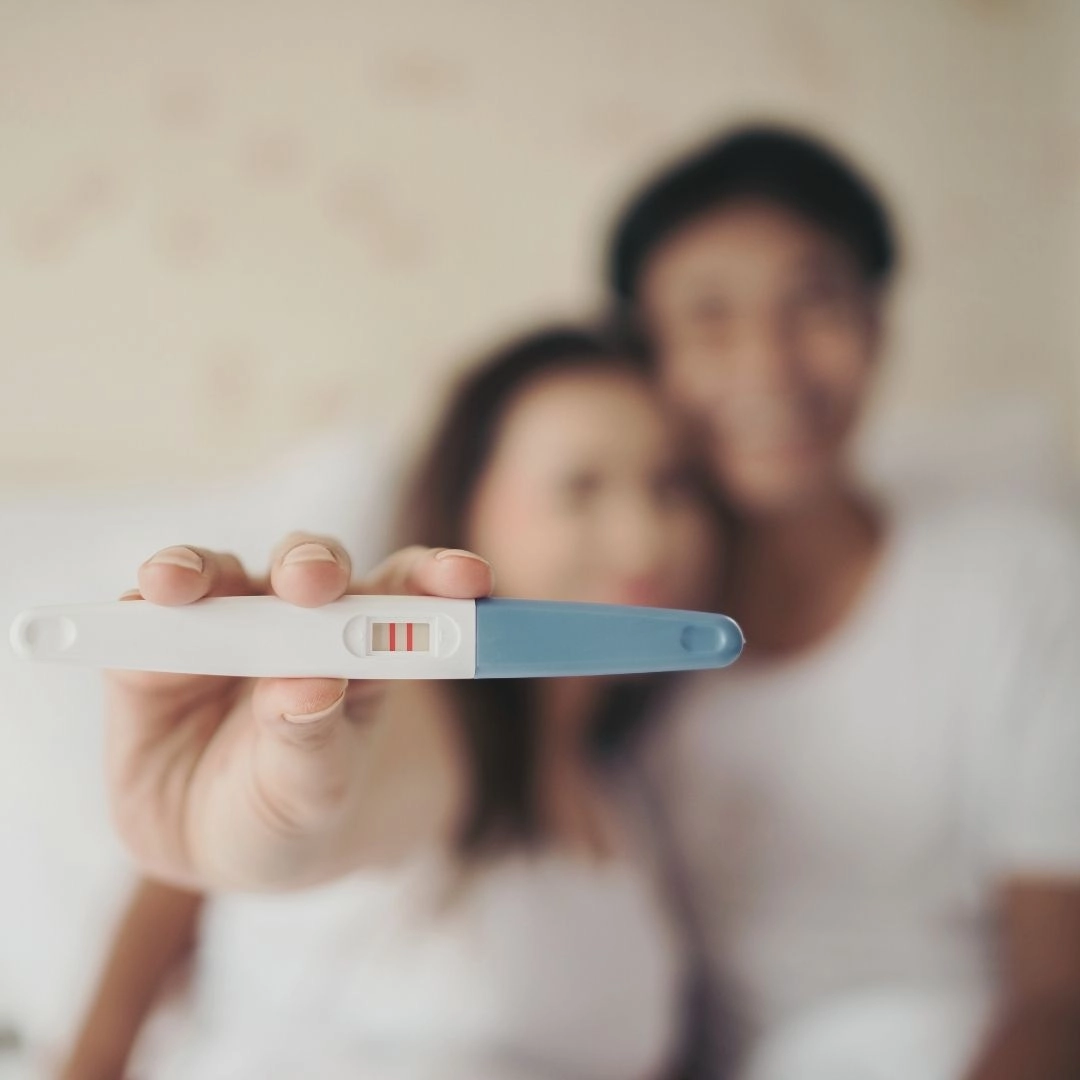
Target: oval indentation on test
x,y
47,635
697,639
355,636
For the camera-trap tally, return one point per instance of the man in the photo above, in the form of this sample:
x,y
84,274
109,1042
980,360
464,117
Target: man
x,y
882,801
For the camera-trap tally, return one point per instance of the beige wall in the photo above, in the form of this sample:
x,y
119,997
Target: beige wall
x,y
224,224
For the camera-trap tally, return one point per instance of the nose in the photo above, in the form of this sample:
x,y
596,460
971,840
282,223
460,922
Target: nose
x,y
636,544
764,358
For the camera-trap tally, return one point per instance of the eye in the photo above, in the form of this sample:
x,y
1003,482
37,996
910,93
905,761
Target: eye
x,y
710,310
675,486
580,489
820,292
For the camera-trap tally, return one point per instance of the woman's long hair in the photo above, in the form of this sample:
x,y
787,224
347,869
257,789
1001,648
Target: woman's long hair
x,y
499,717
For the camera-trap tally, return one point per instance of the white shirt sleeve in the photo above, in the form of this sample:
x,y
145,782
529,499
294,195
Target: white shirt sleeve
x,y
1035,813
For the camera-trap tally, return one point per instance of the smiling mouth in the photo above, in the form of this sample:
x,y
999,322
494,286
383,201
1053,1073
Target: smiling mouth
x,y
765,429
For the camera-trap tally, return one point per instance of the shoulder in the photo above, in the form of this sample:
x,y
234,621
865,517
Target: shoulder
x,y
993,538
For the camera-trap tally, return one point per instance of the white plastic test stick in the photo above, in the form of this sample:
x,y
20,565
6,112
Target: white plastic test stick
x,y
377,637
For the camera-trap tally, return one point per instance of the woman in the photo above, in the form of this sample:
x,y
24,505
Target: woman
x,y
517,929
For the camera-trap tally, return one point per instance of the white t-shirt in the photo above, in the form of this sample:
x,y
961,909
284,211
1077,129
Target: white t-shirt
x,y
844,817
531,967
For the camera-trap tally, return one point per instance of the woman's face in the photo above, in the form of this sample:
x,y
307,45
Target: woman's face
x,y
588,497
766,331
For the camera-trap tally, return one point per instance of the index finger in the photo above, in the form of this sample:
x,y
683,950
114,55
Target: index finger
x,y
177,576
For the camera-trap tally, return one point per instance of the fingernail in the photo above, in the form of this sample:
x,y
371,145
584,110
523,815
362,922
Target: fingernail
x,y
315,717
457,553
179,556
309,552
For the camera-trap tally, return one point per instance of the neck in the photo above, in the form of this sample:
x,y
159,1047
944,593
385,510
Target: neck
x,y
567,785
566,707
796,575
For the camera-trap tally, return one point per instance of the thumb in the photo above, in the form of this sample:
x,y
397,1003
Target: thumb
x,y
302,762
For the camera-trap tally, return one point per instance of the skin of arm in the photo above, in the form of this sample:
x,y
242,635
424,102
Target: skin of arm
x,y
156,933
1037,1032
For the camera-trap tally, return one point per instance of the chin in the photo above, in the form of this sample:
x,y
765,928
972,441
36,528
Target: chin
x,y
641,598
764,493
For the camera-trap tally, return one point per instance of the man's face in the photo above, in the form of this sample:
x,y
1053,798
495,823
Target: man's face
x,y
766,331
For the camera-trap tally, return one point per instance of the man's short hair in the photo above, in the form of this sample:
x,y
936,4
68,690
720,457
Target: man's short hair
x,y
791,169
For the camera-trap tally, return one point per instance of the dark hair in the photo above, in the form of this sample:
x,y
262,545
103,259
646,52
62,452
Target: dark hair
x,y
783,166
498,717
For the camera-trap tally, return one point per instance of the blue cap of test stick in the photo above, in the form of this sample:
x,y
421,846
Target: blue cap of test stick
x,y
535,638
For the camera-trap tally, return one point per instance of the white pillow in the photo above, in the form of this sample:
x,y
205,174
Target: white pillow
x,y
63,876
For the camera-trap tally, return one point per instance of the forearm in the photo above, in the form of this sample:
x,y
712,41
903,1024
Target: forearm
x,y
155,935
1038,1038
103,1047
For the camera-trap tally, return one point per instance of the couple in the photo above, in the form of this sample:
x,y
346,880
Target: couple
x,y
871,823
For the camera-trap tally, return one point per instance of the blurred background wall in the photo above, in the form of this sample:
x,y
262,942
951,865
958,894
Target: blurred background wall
x,y
228,224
